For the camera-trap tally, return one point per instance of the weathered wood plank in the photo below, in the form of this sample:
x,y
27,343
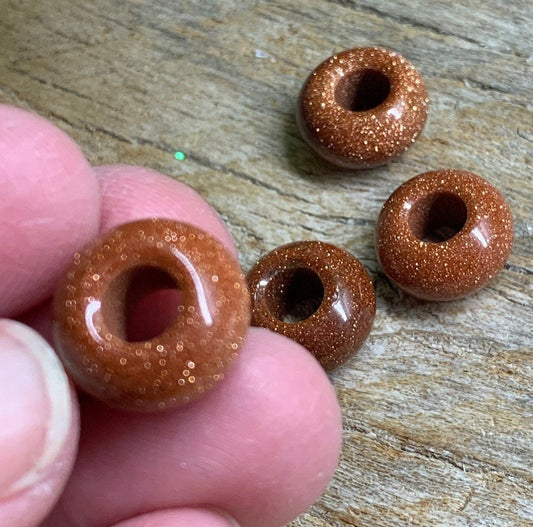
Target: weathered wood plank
x,y
438,405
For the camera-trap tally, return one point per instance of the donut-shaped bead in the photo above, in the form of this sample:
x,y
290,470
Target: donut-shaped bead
x,y
444,234
105,281
362,107
316,294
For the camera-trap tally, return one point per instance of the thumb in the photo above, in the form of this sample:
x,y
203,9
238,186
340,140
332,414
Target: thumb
x,y
38,426
182,517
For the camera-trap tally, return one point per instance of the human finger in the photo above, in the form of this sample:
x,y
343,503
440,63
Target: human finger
x,y
50,207
132,193
182,517
270,433
39,426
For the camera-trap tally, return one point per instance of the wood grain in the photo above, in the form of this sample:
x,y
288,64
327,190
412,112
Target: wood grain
x,y
438,405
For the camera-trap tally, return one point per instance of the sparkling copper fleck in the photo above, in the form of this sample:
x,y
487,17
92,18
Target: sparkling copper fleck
x,y
191,355
444,234
316,294
362,107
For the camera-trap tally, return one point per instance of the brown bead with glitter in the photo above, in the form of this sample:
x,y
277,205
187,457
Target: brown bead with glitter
x,y
444,234
362,107
316,294
110,275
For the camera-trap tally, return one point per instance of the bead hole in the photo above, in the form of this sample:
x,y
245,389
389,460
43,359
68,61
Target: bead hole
x,y
437,217
141,303
359,91
294,294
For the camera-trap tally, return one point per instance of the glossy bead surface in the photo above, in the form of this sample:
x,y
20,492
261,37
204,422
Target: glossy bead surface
x,y
444,234
362,107
316,294
114,272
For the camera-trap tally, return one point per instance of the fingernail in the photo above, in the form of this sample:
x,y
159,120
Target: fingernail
x,y
35,407
226,517
231,520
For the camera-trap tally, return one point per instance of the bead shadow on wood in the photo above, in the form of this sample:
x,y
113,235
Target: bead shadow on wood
x,y
306,163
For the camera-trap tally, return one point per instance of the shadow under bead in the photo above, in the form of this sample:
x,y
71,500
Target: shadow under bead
x,y
115,271
444,234
316,294
362,107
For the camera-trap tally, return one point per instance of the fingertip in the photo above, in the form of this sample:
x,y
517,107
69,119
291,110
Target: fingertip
x,y
276,372
280,418
298,427
39,430
49,207
183,517
269,433
29,506
132,193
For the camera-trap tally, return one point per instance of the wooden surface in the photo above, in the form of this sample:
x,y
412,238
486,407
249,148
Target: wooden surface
x,y
438,404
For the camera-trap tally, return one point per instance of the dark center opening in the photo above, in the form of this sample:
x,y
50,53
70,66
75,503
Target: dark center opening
x,y
294,294
362,90
141,303
437,217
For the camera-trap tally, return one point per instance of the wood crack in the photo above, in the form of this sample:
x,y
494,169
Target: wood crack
x,y
291,225
58,87
471,341
63,120
114,135
518,269
98,15
203,161
347,220
471,464
405,20
231,220
509,299
524,135
483,86
466,501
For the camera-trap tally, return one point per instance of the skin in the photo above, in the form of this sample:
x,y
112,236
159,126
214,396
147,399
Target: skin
x,y
269,434
50,206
